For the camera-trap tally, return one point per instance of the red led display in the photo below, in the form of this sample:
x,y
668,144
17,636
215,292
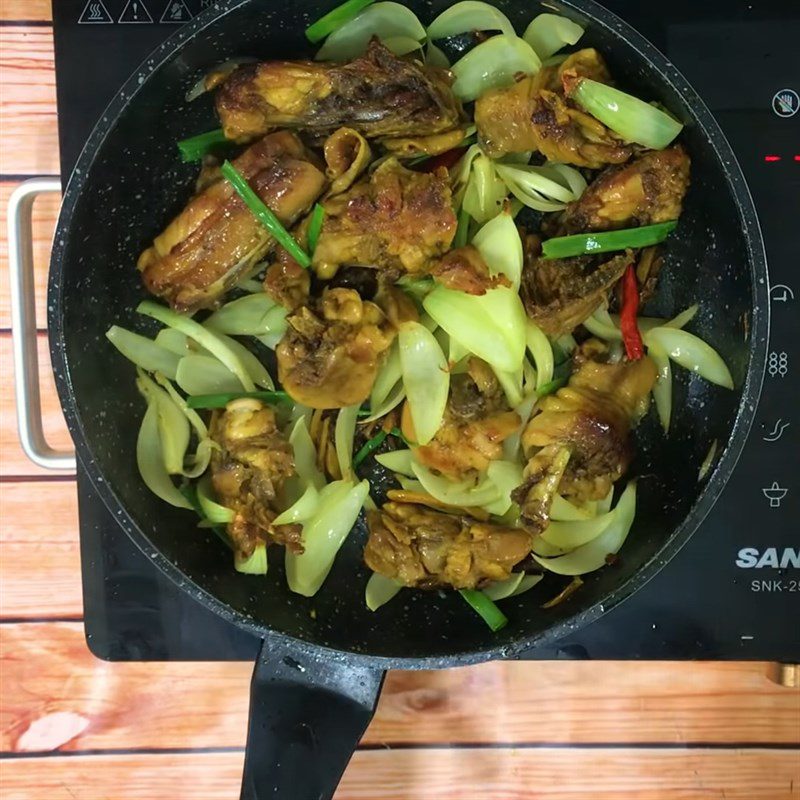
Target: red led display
x,y
772,158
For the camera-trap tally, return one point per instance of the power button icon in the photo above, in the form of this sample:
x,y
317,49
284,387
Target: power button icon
x,y
786,102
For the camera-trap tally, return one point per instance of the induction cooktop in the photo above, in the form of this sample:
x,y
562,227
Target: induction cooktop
x,y
733,592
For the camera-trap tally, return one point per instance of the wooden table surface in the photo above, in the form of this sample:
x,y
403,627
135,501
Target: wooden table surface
x,y
76,728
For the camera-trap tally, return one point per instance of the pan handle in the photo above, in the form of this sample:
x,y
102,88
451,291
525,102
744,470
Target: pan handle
x,y
23,326
307,715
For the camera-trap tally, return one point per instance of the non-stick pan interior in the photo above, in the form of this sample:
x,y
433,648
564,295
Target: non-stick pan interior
x,y
136,182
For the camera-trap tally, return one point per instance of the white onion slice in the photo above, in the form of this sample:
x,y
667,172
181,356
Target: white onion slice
x,y
380,590
500,245
343,436
426,379
468,16
397,461
592,556
143,352
691,352
150,461
548,33
542,352
493,64
384,20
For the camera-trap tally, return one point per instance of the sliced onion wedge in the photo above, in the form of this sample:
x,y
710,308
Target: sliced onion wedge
x,y
493,64
344,435
384,20
305,456
212,510
150,461
468,16
629,117
301,510
542,352
499,243
143,352
255,564
544,188
576,533
397,461
253,315
492,326
426,378
198,374
691,352
592,556
339,505
662,389
548,33
380,590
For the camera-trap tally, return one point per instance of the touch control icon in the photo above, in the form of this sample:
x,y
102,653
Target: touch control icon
x,y
776,432
785,102
775,494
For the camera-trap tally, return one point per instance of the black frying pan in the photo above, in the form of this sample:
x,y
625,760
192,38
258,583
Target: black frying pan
x,y
319,674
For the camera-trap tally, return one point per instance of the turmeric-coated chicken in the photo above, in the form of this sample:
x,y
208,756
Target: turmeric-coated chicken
x,y
216,238
579,440
377,94
423,548
647,190
248,471
534,114
395,219
331,351
560,293
477,420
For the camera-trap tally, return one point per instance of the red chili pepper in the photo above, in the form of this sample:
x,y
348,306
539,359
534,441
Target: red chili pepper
x,y
446,159
631,337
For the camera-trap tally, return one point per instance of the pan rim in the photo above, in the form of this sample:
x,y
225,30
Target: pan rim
x,y
759,332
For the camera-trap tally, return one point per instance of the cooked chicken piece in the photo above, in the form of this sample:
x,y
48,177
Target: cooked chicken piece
x,y
216,238
465,270
248,473
347,155
578,440
423,548
332,349
433,145
534,114
477,421
286,282
395,219
377,94
560,293
647,190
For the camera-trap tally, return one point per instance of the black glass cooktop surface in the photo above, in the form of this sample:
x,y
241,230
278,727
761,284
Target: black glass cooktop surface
x,y
734,591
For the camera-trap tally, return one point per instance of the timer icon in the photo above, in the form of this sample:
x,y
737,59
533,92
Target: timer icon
x,y
786,102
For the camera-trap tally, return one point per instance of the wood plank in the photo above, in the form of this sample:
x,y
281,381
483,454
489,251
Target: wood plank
x,y
29,145
13,460
38,10
39,553
50,701
548,774
45,214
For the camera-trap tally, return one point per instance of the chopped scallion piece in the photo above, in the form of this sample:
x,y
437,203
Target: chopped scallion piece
x,y
221,400
334,19
194,148
484,607
315,227
590,243
264,215
369,446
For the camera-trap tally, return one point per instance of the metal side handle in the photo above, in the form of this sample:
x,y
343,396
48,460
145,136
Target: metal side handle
x,y
23,326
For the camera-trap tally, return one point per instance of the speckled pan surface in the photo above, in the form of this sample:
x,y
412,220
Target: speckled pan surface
x,y
129,181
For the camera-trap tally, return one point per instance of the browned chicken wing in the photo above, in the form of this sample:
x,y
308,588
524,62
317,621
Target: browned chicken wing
x,y
248,472
331,351
560,293
423,548
377,94
648,190
216,238
477,420
578,440
534,114
395,219
464,270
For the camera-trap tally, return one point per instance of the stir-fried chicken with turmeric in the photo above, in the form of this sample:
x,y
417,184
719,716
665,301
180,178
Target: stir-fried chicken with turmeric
x,y
359,202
